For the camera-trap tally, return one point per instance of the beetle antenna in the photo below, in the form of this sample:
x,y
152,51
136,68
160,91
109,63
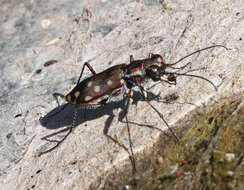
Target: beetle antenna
x,y
199,69
169,65
179,67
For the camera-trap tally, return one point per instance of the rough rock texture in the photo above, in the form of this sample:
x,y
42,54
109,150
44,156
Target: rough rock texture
x,y
104,33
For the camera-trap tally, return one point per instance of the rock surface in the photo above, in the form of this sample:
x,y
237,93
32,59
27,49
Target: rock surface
x,y
104,33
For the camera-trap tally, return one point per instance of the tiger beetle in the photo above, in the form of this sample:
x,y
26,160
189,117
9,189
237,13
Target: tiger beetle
x,y
97,89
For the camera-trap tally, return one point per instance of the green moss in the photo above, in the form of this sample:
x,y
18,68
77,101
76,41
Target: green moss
x,y
209,156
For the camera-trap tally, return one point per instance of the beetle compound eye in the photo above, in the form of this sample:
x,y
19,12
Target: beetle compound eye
x,y
160,59
153,72
156,58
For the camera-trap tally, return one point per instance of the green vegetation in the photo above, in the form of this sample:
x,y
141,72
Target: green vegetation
x,y
209,156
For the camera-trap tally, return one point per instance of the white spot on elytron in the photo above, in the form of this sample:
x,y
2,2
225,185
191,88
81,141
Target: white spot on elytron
x,y
77,93
87,98
97,88
89,84
109,83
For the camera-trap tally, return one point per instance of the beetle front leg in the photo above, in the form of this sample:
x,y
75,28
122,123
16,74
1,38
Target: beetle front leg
x,y
172,79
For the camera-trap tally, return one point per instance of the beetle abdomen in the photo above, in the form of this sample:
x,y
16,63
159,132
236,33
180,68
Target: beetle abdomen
x,y
96,86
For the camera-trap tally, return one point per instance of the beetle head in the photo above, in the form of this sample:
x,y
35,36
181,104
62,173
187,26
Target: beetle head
x,y
156,67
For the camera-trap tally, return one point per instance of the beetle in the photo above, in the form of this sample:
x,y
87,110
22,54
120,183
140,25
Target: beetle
x,y
97,89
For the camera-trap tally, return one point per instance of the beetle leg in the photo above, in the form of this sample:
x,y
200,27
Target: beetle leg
x,y
62,96
104,101
116,92
55,95
131,58
162,80
89,67
170,82
107,99
132,158
160,115
131,153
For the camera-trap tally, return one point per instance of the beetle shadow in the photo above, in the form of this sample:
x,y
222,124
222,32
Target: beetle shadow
x,y
62,115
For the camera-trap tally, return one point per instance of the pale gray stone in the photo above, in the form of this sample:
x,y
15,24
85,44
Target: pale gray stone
x,y
104,33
